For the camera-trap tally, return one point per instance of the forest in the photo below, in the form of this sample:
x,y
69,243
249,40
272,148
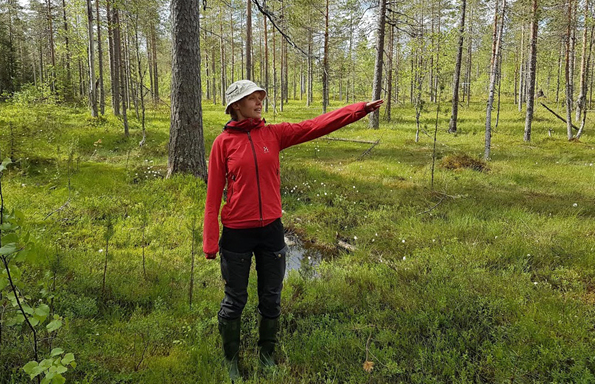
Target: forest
x,y
446,238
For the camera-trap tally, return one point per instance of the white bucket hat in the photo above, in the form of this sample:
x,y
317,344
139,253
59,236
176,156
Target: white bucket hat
x,y
240,89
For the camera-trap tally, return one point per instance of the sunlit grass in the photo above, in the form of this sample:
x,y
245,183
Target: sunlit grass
x,y
486,277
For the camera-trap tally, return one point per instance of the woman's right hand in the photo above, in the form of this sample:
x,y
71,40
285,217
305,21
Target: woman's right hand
x,y
373,105
211,256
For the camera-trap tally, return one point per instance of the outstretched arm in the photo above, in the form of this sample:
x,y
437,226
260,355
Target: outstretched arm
x,y
295,133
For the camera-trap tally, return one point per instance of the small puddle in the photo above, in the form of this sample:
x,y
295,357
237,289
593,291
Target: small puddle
x,y
301,258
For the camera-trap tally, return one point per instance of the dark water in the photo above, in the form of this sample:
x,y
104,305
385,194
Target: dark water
x,y
301,258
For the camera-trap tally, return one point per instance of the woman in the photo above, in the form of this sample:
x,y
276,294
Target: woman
x,y
245,157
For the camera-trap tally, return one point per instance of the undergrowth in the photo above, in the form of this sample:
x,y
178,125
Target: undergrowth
x,y
487,277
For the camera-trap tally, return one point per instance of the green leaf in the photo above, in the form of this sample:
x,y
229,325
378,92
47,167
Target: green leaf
x,y
54,325
5,164
46,363
36,371
42,312
68,359
61,369
73,364
3,282
28,310
15,320
8,249
33,321
58,379
28,368
56,352
10,238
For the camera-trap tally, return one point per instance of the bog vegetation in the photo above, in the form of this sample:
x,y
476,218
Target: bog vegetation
x,y
486,277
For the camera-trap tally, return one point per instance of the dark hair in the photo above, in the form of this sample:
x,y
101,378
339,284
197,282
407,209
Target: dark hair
x,y
233,113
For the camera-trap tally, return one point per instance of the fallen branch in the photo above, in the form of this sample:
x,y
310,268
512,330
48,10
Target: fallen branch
x,y
558,116
368,150
59,209
346,246
352,140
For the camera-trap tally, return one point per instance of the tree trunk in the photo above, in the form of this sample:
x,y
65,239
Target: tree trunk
x,y
248,40
309,95
568,68
114,66
91,52
100,62
582,97
325,61
52,47
389,77
266,64
155,70
532,70
119,65
186,142
374,120
494,68
222,57
522,71
457,75
584,110
67,43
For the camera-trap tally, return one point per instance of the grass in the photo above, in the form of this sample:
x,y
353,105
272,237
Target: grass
x,y
488,277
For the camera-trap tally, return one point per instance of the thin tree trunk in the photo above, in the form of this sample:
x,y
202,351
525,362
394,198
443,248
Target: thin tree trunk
x,y
374,120
52,47
140,82
532,70
568,69
67,43
222,57
584,111
581,101
100,61
249,40
494,68
119,64
559,72
522,71
389,79
154,43
325,65
266,64
457,74
114,66
91,52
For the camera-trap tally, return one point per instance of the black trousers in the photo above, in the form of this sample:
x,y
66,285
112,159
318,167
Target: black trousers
x,y
236,247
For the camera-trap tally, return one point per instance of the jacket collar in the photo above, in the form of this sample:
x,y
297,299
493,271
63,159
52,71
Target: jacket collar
x,y
245,125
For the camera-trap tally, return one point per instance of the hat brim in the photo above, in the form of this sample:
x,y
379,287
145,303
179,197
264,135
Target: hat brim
x,y
246,93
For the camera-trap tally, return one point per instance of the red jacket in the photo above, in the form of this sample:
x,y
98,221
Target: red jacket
x,y
246,158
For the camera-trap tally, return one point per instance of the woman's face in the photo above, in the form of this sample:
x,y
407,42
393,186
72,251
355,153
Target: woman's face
x,y
250,107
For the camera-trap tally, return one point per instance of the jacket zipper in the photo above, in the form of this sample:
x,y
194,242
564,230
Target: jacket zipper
x,y
257,177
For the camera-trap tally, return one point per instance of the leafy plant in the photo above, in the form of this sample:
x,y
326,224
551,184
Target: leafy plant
x,y
16,249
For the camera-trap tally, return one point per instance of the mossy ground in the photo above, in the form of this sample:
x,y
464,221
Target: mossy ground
x,y
486,277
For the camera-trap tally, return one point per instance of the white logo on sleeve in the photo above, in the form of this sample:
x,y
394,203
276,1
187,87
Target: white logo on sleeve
x,y
265,149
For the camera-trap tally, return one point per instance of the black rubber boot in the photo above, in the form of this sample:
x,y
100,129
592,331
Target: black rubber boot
x,y
230,336
268,339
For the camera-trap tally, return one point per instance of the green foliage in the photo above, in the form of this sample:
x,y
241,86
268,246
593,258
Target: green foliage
x,y
52,368
485,278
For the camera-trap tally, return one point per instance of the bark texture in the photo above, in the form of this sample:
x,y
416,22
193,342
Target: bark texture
x,y
186,143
